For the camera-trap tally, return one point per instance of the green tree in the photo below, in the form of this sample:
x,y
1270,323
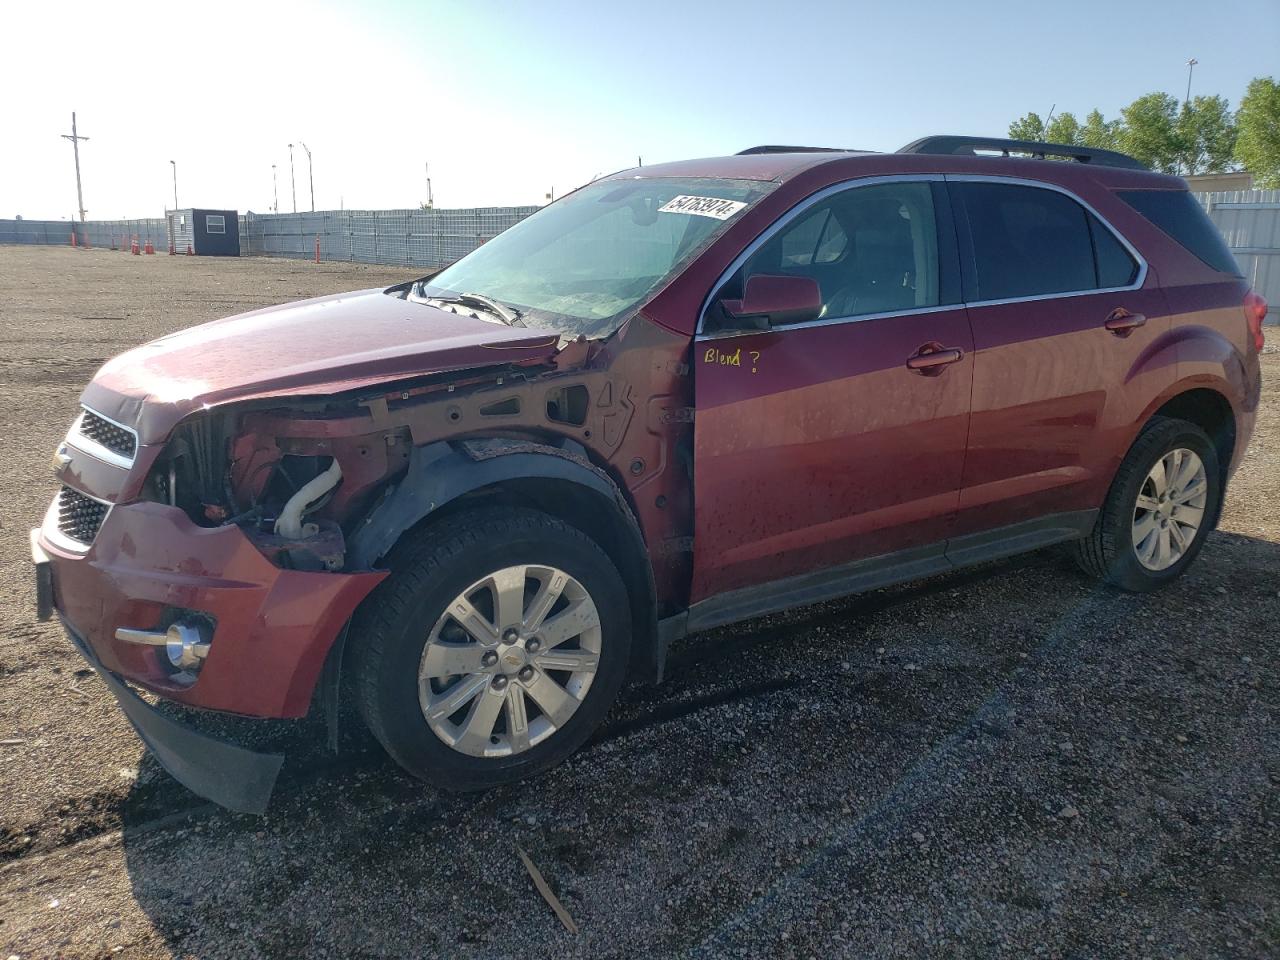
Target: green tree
x,y
1149,131
1207,131
1258,128
1030,127
1064,128
1098,132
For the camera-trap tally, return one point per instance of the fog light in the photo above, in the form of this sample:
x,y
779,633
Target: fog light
x,y
184,643
185,646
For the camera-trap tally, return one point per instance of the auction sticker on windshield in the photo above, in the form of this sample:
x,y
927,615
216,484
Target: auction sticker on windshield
x,y
702,206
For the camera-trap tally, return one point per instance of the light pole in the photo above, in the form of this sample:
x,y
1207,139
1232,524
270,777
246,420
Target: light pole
x,y
75,139
310,178
174,164
293,181
275,191
1191,65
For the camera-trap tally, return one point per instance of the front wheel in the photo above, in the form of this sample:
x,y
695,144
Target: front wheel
x,y
493,650
1163,502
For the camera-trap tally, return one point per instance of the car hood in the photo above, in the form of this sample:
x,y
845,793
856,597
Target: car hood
x,y
321,346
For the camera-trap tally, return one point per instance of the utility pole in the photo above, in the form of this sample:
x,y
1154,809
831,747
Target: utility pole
x,y
275,191
1186,105
174,164
75,139
310,178
293,181
431,201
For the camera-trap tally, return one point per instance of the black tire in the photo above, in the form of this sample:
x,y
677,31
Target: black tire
x,y
391,630
1108,552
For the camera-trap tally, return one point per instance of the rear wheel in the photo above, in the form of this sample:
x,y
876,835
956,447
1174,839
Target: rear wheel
x,y
493,650
1164,500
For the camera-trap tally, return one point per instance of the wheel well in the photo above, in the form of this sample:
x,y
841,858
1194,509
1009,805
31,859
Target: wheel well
x,y
596,516
1211,412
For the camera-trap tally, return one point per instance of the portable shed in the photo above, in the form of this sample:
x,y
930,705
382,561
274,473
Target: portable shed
x,y
210,233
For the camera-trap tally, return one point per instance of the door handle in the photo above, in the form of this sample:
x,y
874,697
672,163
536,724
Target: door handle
x,y
1122,323
931,359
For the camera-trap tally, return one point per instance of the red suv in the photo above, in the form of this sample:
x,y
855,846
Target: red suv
x,y
681,396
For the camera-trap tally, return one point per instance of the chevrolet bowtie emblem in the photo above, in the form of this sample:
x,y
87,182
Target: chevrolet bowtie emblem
x,y
60,458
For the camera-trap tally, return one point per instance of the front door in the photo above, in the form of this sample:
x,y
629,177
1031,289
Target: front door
x,y
835,439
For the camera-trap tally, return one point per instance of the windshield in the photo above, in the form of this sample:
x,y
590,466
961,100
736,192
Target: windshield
x,y
582,264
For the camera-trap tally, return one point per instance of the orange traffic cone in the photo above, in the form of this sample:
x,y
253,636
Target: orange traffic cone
x,y
73,236
149,248
133,247
190,252
172,251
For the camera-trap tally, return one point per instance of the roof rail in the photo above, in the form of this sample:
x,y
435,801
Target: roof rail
x,y
775,148
969,146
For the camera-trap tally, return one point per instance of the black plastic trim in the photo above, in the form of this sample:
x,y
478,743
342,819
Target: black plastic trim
x,y
229,775
951,145
440,472
873,573
782,148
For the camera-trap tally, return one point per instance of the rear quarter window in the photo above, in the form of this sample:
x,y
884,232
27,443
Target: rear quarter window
x,y
1177,213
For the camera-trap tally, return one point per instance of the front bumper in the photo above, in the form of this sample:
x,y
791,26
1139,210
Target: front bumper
x,y
274,627
231,776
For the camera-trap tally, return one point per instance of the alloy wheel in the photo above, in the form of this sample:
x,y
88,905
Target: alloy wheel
x,y
510,661
1170,509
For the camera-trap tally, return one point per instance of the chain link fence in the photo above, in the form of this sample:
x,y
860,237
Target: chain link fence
x,y
92,233
420,238
416,238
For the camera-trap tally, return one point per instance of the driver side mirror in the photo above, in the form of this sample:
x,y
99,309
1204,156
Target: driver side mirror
x,y
772,299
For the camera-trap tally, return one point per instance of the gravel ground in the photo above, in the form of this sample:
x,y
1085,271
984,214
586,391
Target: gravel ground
x,y
1007,761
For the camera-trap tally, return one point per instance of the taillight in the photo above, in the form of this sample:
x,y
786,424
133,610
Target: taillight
x,y
1255,313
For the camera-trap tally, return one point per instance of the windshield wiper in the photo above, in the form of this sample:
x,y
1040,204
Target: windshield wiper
x,y
508,315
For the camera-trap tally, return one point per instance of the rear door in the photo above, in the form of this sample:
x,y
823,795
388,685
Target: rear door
x,y
816,444
1062,313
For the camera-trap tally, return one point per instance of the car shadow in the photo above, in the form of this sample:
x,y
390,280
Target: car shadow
x,y
783,758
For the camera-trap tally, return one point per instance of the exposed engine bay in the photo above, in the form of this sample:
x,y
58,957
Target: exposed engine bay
x,y
300,476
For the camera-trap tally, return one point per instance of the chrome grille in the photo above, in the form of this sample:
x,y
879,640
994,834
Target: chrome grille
x,y
79,516
103,432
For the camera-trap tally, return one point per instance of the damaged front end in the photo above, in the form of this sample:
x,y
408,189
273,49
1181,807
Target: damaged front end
x,y
223,468
236,546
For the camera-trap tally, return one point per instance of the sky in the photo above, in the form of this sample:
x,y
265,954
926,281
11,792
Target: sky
x,y
507,101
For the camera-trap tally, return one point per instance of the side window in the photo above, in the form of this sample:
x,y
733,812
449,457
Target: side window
x,y
215,223
1116,266
1177,213
871,249
1027,241
816,238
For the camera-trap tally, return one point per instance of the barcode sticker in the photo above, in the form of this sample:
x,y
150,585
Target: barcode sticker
x,y
702,207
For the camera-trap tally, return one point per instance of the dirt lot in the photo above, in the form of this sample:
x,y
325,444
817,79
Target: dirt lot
x,y
1006,761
